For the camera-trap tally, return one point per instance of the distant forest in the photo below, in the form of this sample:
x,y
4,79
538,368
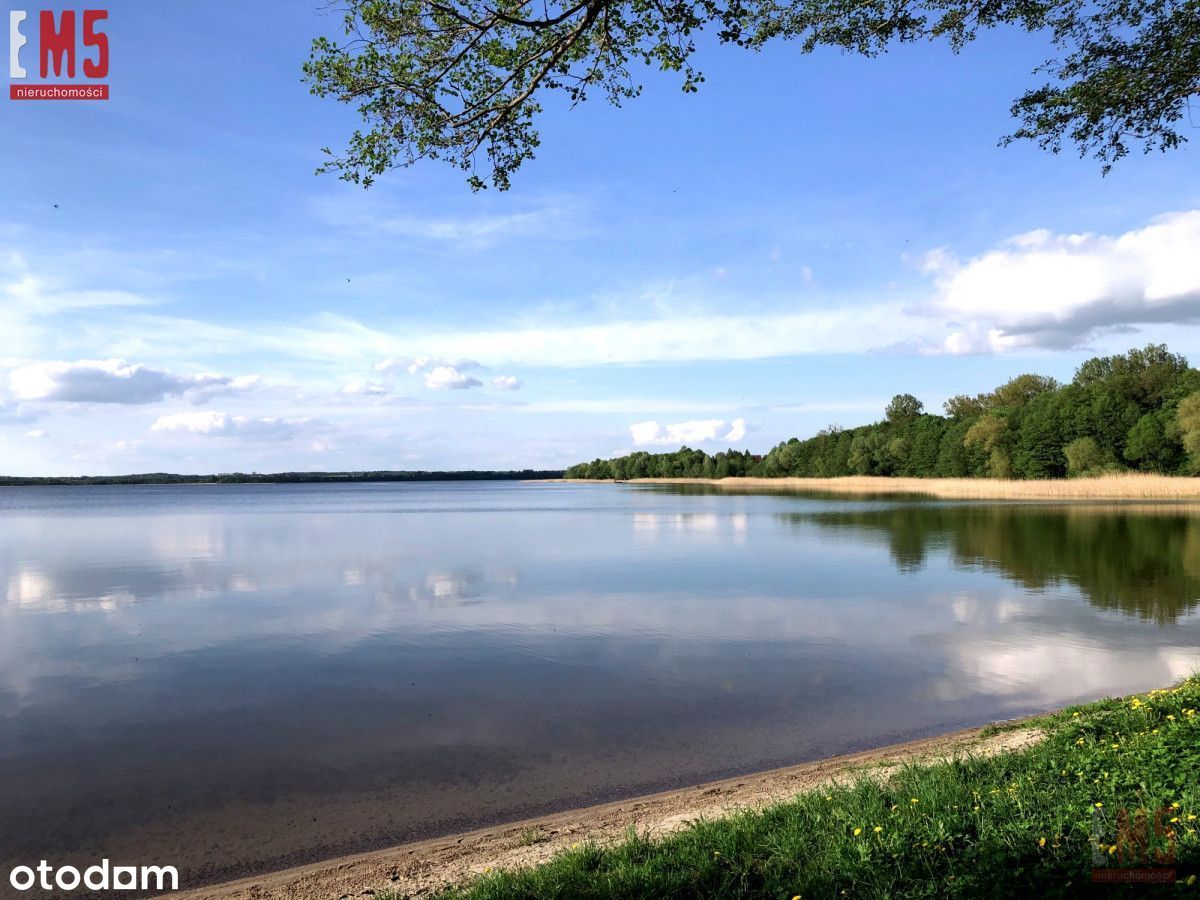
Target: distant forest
x,y
282,477
1138,411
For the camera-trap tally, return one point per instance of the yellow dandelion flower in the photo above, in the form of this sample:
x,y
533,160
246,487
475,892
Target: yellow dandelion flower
x,y
857,832
1191,880
914,800
1099,806
879,828
1191,817
1041,842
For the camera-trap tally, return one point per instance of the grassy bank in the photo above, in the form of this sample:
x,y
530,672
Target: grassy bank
x,y
1028,823
1129,486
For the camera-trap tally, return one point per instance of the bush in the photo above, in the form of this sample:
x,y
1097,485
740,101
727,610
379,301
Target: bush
x,y
1084,458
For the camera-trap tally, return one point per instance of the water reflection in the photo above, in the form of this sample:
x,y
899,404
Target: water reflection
x,y
242,678
1142,561
696,522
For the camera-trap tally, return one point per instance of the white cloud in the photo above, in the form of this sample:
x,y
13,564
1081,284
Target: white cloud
x,y
645,433
443,377
36,434
653,405
11,413
1054,290
414,365
211,422
473,231
411,366
364,387
669,338
221,387
113,381
46,295
218,424
695,431
439,373
507,383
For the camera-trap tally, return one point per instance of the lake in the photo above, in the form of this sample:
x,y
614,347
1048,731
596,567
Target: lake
x,y
236,678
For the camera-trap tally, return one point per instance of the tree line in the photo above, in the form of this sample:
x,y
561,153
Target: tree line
x,y
1137,411
280,477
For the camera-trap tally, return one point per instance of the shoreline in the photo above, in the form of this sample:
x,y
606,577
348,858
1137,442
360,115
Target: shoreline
x,y
235,479
1131,486
422,867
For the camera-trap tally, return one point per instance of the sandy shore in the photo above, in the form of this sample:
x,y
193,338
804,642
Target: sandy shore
x,y
1133,486
426,866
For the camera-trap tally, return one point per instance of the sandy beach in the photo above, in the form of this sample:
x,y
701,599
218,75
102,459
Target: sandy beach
x,y
423,867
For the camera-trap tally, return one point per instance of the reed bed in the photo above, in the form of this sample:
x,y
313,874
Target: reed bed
x,y
1126,486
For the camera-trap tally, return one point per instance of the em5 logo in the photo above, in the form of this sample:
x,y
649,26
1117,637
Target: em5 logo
x,y
57,52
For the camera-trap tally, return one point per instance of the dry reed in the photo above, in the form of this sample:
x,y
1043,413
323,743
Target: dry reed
x,y
1130,486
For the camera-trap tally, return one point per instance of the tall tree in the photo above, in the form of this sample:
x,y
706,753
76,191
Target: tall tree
x,y
453,79
903,408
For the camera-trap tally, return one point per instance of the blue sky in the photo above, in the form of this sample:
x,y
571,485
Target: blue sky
x,y
787,249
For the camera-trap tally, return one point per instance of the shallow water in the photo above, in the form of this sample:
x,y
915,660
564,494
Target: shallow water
x,y
235,678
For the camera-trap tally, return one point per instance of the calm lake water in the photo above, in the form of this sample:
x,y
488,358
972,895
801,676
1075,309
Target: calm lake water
x,y
232,679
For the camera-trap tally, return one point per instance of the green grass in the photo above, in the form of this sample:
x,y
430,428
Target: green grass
x,y
1022,824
